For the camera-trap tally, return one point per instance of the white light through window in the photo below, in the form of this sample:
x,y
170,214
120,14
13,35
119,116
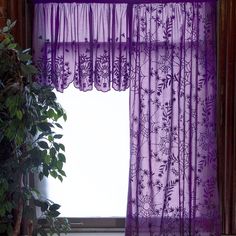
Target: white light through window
x,y
96,137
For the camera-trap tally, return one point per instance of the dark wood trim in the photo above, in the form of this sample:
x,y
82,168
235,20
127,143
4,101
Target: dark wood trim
x,y
22,12
3,12
98,223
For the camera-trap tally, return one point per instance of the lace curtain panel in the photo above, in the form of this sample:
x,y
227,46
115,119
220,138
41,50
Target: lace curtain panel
x,y
165,53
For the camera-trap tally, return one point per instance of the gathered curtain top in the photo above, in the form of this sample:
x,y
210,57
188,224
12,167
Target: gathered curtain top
x,y
96,45
119,1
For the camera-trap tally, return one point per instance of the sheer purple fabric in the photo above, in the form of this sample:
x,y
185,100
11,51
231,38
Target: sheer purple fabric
x,y
166,54
173,185
86,44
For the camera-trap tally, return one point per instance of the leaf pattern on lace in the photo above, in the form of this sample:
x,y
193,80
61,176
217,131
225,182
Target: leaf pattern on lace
x,y
168,62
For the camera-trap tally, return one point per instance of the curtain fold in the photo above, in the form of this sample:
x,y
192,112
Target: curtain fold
x,y
165,53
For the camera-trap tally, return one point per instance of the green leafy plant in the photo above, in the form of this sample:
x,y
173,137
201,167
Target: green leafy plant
x,y
29,145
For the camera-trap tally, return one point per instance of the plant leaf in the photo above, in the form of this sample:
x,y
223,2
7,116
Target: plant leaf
x,y
53,174
55,213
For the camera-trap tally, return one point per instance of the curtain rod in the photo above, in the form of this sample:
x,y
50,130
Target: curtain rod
x,y
120,1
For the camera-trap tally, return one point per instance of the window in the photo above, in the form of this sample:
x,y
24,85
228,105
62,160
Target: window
x,y
96,137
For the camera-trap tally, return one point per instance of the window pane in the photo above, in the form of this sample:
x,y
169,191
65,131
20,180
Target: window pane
x,y
96,137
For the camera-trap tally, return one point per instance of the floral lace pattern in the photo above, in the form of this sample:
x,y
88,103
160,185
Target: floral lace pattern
x,y
165,53
173,187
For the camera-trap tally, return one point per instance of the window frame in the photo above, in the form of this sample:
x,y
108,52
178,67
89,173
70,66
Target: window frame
x,y
101,224
94,224
225,107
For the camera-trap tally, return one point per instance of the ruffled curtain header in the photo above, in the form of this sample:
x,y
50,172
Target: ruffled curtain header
x,y
95,44
119,1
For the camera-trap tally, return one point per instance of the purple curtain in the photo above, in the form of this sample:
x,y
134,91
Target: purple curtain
x,y
86,44
165,53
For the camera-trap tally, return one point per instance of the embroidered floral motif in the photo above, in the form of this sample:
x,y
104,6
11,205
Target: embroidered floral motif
x,y
173,172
